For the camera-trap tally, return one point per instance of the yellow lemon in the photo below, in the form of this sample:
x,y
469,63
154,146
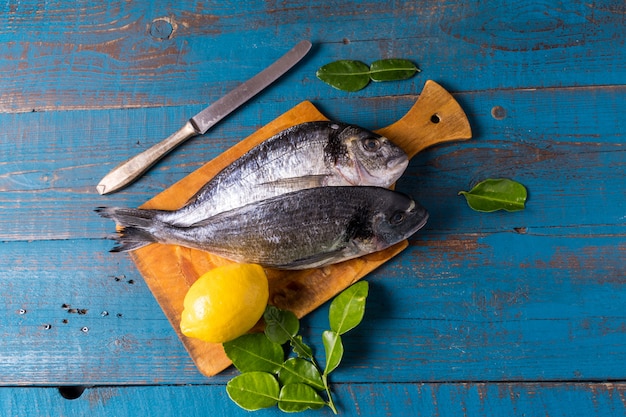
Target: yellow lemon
x,y
225,303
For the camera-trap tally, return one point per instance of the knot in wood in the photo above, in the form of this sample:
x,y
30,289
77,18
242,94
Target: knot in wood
x,y
161,29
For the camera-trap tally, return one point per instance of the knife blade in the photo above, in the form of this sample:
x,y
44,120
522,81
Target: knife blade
x,y
128,171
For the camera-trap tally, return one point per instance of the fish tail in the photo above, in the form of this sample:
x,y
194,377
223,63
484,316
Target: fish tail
x,y
131,238
134,224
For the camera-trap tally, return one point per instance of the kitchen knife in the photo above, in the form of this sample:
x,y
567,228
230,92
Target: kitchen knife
x,y
130,170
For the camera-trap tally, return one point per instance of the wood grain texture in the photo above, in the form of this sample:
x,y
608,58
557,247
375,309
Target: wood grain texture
x,y
497,314
375,400
109,56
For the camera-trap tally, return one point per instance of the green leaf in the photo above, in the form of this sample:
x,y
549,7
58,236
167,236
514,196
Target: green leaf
x,y
300,348
280,325
334,350
254,390
299,397
297,370
347,309
496,194
346,75
392,70
255,352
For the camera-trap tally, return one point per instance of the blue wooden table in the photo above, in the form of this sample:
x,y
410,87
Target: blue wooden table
x,y
485,314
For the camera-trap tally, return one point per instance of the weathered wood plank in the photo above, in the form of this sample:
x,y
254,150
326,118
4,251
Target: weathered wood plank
x,y
450,309
119,54
70,315
568,152
376,400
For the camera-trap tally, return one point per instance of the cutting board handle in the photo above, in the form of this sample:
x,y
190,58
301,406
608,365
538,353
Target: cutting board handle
x,y
436,117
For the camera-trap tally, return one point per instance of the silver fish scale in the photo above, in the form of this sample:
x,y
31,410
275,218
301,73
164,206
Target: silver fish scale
x,y
308,155
304,229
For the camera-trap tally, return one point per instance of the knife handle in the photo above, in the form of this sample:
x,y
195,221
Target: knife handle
x,y
128,171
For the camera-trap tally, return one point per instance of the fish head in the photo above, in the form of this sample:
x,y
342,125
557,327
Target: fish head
x,y
367,158
398,218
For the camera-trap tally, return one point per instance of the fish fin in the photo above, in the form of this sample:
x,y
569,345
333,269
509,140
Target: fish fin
x,y
134,225
316,261
128,217
131,238
349,250
305,181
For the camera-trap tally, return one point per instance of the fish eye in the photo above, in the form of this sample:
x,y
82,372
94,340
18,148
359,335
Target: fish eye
x,y
371,144
397,217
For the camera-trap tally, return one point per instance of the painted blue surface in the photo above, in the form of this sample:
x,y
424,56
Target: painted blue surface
x,y
484,314
557,400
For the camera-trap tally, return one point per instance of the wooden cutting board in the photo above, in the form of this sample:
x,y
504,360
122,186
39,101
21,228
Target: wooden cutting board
x,y
170,270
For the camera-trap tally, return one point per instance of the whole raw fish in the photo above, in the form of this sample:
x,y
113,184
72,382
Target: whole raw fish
x,y
302,229
308,155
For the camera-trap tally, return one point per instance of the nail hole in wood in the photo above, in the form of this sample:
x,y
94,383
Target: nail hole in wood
x,y
498,112
71,392
435,118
